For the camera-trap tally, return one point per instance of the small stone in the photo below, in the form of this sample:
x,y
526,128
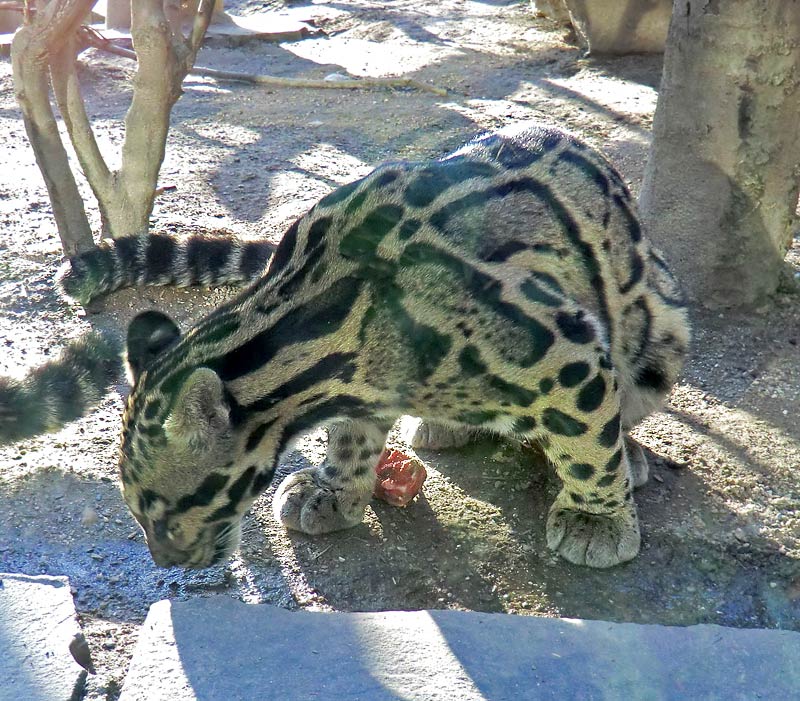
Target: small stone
x,y
89,516
80,652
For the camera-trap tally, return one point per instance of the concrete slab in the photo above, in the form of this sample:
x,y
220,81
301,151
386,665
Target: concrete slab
x,y
219,648
37,624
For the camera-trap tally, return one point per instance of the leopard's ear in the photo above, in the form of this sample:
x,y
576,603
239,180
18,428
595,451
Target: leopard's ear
x,y
200,416
149,333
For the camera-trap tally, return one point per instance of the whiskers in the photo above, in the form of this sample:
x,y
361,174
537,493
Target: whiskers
x,y
228,534
249,528
219,547
223,541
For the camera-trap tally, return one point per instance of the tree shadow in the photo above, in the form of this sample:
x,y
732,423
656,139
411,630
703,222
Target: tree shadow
x,y
477,542
244,182
392,560
449,654
689,571
244,179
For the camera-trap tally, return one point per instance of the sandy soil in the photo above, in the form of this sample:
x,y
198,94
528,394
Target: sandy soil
x,y
720,514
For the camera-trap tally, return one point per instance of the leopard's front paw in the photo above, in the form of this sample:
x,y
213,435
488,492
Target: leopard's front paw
x,y
305,502
596,540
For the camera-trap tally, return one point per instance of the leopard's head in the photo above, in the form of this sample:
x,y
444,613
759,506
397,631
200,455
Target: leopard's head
x,y
181,476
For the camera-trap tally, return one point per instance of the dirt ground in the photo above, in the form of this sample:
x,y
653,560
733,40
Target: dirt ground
x,y
720,514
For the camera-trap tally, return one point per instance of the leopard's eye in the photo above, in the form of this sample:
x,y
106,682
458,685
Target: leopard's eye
x,y
174,533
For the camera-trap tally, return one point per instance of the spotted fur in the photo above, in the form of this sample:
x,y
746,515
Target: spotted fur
x,y
506,288
60,391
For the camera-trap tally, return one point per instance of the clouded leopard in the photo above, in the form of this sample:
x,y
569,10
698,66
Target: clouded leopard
x,y
506,288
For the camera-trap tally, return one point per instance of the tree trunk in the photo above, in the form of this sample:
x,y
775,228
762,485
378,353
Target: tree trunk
x,y
50,43
165,58
156,88
30,49
66,88
118,13
721,185
554,9
620,26
125,197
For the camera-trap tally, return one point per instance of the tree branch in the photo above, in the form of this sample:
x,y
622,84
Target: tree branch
x,y
66,88
30,48
15,7
98,41
199,27
354,84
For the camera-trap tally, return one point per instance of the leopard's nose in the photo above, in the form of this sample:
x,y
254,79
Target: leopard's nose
x,y
165,556
163,559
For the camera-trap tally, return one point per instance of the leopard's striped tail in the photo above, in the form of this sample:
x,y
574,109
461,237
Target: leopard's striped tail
x,y
59,391
163,259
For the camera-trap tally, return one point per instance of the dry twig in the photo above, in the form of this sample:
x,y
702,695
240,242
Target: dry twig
x,y
98,41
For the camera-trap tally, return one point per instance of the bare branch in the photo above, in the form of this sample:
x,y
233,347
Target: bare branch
x,y
99,42
66,88
354,84
30,48
202,19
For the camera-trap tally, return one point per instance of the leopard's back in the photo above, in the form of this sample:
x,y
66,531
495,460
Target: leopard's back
x,y
536,210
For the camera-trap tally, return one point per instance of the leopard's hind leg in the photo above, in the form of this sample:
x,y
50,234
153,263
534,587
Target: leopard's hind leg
x,y
593,520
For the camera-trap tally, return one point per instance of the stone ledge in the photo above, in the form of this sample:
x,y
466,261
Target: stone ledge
x,y
37,624
219,648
